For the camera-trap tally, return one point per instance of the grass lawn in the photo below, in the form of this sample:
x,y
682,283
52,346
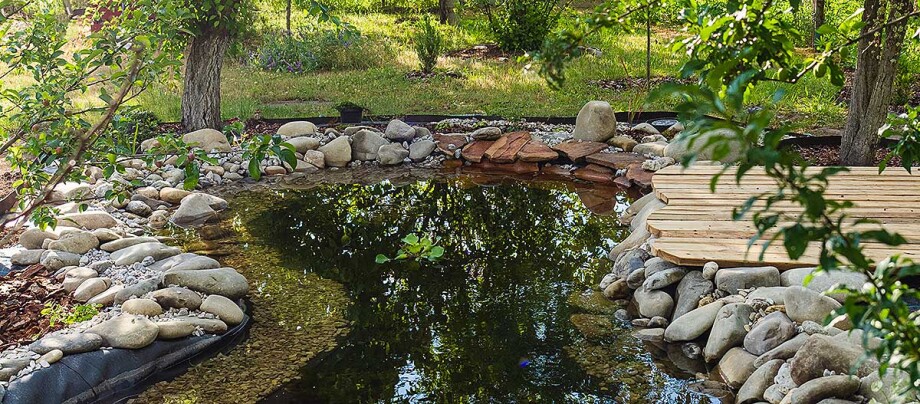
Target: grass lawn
x,y
489,86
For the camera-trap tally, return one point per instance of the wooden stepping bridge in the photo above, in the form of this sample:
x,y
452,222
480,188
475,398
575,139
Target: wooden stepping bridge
x,y
697,227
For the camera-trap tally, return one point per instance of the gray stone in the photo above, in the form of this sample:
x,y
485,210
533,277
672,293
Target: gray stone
x,y
804,304
225,309
825,280
221,281
142,307
136,290
815,390
195,210
650,334
209,140
151,203
336,153
173,195
399,131
137,253
617,290
195,263
625,143
658,322
651,148
629,261
174,329
297,128
314,158
681,146
784,351
176,298
487,133
665,278
107,297
11,367
91,220
364,145
126,331
420,150
752,390
727,330
126,242
55,260
733,279
654,265
776,294
78,242
595,122
75,277
607,280
693,324
822,352
91,287
646,128
636,278
710,269
51,357
736,367
689,290
139,208
106,235
653,303
27,257
33,238
69,344
392,154
768,333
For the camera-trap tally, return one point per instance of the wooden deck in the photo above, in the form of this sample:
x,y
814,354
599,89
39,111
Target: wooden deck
x,y
696,227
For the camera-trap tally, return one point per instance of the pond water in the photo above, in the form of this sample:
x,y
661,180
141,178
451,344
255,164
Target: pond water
x,y
507,315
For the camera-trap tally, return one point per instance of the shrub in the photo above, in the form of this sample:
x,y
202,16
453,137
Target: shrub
x,y
522,25
130,128
311,49
429,44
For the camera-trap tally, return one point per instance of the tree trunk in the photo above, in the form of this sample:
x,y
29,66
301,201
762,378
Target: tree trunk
x,y
819,14
201,93
446,12
876,66
287,17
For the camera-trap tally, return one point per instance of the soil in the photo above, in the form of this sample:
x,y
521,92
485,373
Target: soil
x,y
631,83
422,76
825,155
23,295
488,51
7,177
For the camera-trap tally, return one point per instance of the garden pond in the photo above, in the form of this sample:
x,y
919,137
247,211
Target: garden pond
x,y
507,315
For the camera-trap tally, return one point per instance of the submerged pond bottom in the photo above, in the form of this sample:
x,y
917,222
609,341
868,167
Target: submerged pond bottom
x,y
508,314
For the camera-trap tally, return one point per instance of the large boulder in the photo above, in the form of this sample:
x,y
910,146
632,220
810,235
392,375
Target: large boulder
x,y
736,367
595,122
727,330
365,144
126,331
304,144
689,291
337,153
803,305
72,343
209,140
814,391
421,149
752,390
769,333
824,281
399,131
733,279
195,210
821,352
392,154
220,281
55,260
297,128
90,220
77,242
693,324
33,238
225,309
137,253
682,145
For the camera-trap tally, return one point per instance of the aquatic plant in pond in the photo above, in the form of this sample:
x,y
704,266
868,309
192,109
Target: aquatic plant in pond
x,y
496,319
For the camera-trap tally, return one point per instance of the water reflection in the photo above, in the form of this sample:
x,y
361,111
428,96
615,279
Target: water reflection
x,y
502,318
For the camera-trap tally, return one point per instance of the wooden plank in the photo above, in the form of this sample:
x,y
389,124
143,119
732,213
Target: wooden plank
x,y
709,170
745,230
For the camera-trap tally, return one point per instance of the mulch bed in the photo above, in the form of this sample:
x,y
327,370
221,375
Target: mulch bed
x,y
487,51
23,295
631,83
7,177
827,155
422,76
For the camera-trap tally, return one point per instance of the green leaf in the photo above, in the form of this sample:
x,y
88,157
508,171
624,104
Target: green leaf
x,y
382,259
411,239
436,252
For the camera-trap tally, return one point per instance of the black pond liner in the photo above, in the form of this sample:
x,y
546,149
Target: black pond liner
x,y
117,375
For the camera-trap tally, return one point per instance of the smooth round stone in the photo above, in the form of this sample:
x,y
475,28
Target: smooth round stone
x,y
220,281
142,307
177,298
67,343
91,288
126,331
174,329
225,309
52,356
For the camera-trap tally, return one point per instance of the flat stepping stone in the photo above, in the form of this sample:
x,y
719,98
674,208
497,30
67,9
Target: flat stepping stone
x,y
518,167
639,176
616,161
594,173
536,152
474,151
577,150
556,170
445,141
506,148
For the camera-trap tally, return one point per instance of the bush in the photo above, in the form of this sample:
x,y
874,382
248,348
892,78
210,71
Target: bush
x,y
312,49
429,44
522,25
131,128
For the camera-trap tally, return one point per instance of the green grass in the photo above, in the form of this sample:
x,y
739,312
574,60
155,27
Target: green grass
x,y
504,88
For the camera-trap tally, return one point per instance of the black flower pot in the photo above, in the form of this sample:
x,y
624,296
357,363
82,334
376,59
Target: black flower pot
x,y
352,115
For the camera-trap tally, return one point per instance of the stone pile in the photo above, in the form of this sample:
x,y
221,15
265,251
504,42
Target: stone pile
x,y
145,289
759,327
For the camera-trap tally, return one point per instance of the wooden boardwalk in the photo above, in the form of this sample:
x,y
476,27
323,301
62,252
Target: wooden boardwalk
x,y
696,227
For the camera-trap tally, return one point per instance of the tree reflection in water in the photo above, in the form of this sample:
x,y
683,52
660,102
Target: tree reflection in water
x,y
488,323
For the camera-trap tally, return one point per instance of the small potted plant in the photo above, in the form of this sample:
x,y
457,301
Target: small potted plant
x,y
350,112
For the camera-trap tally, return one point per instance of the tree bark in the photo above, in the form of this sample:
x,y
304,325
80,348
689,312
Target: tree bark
x,y
819,14
446,12
287,17
876,67
201,93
